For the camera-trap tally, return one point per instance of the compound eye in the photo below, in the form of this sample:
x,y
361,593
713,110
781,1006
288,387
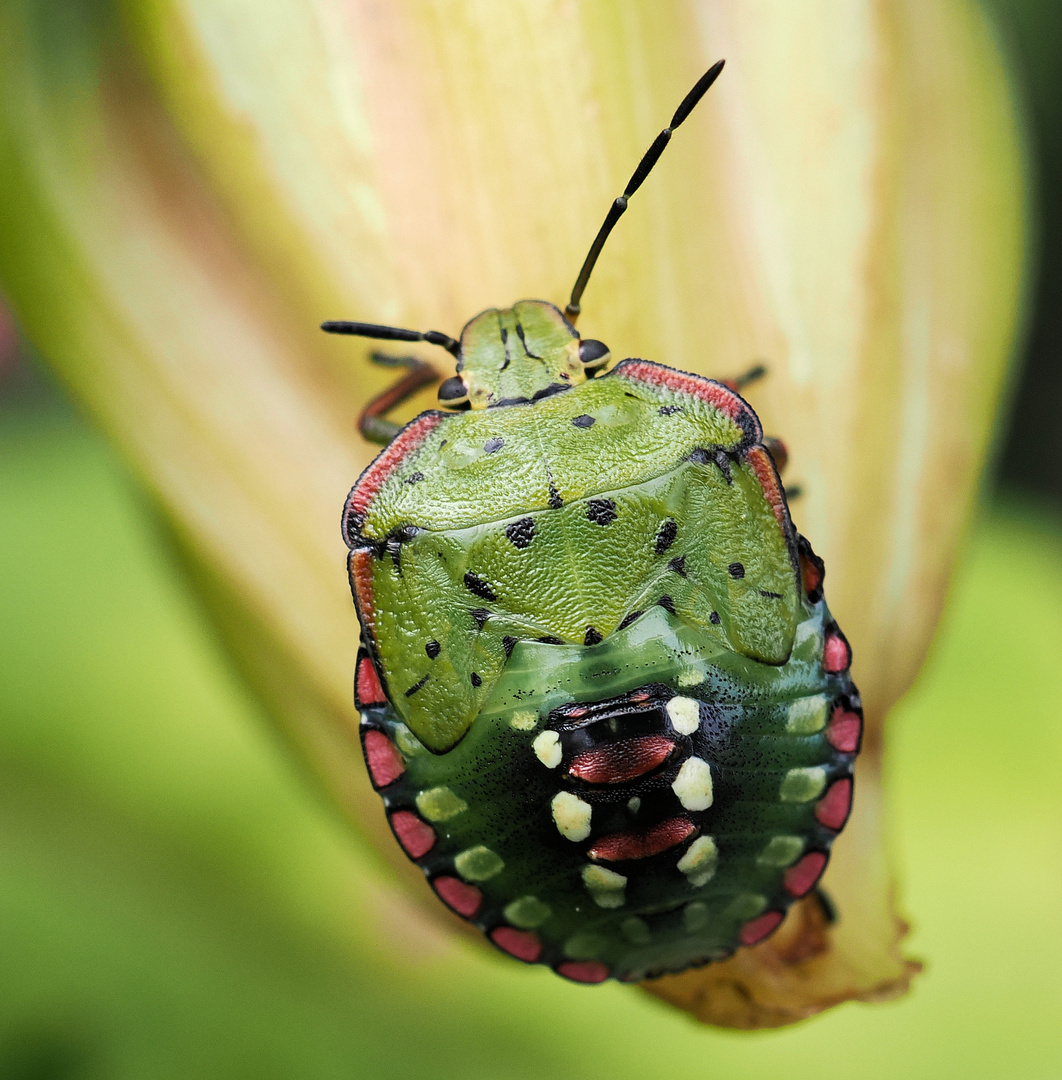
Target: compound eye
x,y
453,393
593,354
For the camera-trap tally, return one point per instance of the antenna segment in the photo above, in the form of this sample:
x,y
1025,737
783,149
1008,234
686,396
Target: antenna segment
x,y
645,167
392,333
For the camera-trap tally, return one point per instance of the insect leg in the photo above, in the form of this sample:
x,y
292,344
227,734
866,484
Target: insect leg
x,y
779,452
754,374
829,908
372,422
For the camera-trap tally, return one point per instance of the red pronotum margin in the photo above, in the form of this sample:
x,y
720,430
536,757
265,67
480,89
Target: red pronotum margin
x,y
763,467
375,476
361,579
715,394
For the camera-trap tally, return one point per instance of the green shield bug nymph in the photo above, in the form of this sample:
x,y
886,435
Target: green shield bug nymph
x,y
602,697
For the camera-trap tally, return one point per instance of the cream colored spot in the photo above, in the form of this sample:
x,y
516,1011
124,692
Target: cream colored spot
x,y
745,906
700,861
802,785
523,720
605,886
459,455
693,785
807,715
408,743
634,804
478,863
547,749
695,916
636,931
527,912
807,641
584,946
440,804
781,851
685,715
690,677
571,816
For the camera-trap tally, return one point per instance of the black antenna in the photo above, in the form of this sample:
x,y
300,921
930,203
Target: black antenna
x,y
645,167
392,333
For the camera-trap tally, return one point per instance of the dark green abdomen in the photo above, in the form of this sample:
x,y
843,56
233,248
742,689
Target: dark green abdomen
x,y
633,807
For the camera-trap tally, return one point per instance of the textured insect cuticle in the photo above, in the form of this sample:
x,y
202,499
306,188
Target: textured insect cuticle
x,y
616,756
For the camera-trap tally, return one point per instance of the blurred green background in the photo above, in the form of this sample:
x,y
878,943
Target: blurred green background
x,y
175,900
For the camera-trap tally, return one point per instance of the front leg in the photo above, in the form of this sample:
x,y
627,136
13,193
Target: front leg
x,y
372,422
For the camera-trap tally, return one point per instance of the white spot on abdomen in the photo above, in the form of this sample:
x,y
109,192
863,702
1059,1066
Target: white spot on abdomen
x,y
693,785
547,749
571,816
440,804
802,785
700,861
685,714
523,720
605,886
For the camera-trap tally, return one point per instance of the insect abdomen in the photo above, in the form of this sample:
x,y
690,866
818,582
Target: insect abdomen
x,y
633,807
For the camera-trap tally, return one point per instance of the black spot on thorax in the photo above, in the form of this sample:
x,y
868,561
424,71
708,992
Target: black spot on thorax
x,y
601,511
717,456
477,586
665,536
353,521
521,533
416,686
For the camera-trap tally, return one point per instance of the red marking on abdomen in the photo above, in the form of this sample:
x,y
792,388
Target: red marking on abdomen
x,y
800,878
583,971
382,756
832,809
763,467
716,394
407,440
836,656
458,896
416,837
844,730
623,760
367,688
755,930
519,943
618,847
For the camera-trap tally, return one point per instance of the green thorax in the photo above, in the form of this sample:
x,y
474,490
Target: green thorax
x,y
561,520
518,353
